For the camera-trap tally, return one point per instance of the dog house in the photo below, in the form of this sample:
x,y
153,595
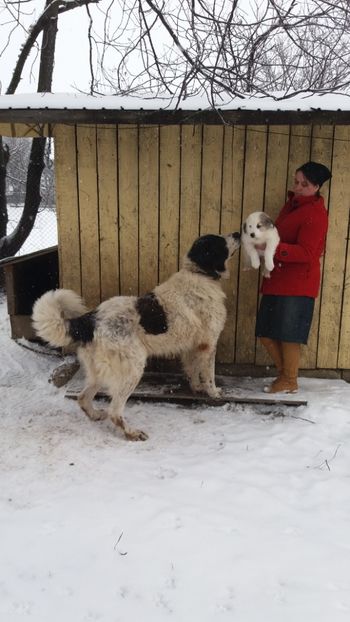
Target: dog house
x,y
135,186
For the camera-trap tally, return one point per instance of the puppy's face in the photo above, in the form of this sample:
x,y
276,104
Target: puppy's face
x,y
257,225
210,253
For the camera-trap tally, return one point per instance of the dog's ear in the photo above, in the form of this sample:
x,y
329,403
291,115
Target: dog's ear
x,y
266,221
209,253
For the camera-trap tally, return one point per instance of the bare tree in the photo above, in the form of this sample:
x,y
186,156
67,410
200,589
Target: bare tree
x,y
45,25
222,48
179,48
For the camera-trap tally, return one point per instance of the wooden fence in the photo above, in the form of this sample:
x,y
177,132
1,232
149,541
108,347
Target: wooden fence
x,y
131,199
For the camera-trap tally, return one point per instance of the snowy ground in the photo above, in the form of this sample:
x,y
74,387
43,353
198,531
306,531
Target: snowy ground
x,y
225,513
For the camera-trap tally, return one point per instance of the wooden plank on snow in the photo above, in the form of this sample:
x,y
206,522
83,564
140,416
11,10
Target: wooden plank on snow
x,y
174,388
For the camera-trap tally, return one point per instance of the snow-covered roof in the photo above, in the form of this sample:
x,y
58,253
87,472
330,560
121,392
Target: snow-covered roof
x,y
305,102
51,107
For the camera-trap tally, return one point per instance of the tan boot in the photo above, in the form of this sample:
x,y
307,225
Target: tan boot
x,y
274,348
288,380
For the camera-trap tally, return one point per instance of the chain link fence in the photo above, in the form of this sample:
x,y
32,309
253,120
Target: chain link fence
x,y
44,232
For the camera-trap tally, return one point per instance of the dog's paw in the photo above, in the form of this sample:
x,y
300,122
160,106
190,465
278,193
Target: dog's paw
x,y
196,388
99,415
94,414
266,274
136,435
214,392
269,266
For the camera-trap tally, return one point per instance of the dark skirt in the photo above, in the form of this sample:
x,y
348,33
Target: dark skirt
x,y
285,318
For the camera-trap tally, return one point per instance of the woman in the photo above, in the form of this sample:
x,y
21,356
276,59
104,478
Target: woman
x,y
287,305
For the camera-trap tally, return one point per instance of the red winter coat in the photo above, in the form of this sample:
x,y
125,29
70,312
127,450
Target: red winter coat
x,y
302,225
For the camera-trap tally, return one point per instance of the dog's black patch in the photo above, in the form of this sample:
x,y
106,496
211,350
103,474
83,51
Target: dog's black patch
x,y
153,318
209,253
82,328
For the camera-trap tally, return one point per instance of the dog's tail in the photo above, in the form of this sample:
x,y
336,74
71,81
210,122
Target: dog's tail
x,y
51,313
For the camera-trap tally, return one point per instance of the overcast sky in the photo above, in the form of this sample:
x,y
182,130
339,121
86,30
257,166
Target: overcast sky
x,y
71,65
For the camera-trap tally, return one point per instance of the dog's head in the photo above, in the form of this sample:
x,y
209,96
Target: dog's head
x,y
257,225
209,254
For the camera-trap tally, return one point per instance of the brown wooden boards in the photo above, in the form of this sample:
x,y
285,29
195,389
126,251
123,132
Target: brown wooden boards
x,y
173,388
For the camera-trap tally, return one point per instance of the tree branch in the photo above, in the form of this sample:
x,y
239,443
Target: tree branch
x,y
55,7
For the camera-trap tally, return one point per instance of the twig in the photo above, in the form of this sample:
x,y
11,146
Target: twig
x,y
303,419
327,461
116,544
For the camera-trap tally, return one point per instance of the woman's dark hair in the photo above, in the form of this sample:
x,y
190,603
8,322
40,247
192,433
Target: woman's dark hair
x,y
315,172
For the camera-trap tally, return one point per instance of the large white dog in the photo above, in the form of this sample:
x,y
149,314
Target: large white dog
x,y
259,240
183,316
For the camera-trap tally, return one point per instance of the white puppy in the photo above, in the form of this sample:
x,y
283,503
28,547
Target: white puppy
x,y
259,240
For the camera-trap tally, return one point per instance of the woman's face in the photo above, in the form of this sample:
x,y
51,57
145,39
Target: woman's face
x,y
303,187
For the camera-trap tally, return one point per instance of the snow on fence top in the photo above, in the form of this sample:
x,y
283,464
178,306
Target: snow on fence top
x,y
75,108
303,102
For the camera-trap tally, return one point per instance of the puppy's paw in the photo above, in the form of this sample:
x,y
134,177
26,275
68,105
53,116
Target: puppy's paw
x,y
266,274
269,266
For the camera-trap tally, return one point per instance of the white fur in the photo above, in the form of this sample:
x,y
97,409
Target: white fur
x,y
115,359
258,229
50,311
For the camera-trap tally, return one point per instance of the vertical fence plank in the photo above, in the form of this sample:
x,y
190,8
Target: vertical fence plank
x,y
321,151
128,209
231,212
88,213
275,191
335,256
67,207
253,201
148,206
299,149
211,179
276,169
108,209
344,344
169,200
191,165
